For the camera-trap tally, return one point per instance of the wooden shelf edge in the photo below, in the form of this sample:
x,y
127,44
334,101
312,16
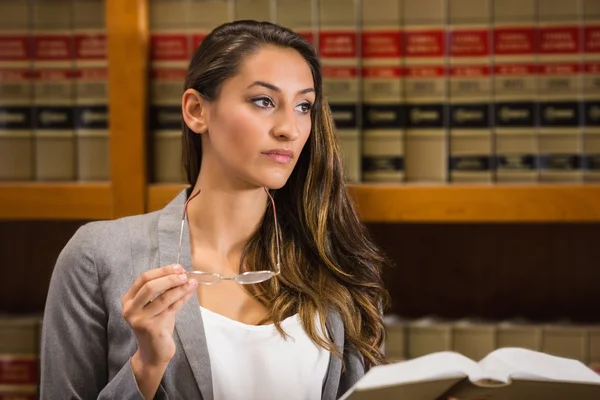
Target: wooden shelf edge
x,y
55,201
561,203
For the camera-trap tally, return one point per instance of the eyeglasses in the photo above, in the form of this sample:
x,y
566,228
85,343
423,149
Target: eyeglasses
x,y
245,278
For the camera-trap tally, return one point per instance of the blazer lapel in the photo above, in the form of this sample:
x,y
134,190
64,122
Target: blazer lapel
x,y
188,322
335,329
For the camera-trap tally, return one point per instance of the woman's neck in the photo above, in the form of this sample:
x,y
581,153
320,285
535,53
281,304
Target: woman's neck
x,y
222,219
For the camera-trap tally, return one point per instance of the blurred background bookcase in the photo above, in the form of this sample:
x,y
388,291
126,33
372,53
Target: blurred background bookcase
x,y
482,249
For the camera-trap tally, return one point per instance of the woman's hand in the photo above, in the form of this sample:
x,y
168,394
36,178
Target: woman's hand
x,y
149,307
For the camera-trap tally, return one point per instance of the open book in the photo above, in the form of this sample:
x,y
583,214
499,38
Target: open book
x,y
507,373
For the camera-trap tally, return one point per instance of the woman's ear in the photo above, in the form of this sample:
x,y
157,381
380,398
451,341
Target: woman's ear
x,y
194,108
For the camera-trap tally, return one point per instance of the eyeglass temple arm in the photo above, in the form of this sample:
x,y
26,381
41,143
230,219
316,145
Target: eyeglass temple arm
x,y
276,230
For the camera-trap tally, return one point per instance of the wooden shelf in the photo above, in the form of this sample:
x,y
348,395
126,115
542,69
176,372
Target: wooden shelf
x,y
55,200
456,203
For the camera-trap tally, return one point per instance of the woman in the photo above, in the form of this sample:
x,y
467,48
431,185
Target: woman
x,y
257,282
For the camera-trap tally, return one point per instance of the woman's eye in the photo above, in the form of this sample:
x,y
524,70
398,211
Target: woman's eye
x,y
263,102
304,108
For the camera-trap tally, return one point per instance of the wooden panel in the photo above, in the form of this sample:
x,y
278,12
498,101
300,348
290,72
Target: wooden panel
x,y
453,203
28,252
127,33
543,272
55,201
448,203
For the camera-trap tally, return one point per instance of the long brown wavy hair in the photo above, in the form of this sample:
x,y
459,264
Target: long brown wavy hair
x,y
328,260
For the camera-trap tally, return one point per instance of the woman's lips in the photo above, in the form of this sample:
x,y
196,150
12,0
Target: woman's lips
x,y
280,156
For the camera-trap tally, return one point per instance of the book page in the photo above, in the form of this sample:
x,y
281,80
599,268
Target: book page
x,y
515,363
435,366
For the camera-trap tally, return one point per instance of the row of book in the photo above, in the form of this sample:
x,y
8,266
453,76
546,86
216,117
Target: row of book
x,y
409,339
405,339
422,90
53,90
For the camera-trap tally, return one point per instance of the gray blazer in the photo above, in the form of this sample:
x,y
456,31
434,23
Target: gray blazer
x,y
87,345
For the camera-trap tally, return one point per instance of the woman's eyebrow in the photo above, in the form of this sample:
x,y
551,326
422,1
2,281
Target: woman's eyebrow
x,y
276,89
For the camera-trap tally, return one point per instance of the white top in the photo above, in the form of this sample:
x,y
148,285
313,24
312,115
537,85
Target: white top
x,y
256,362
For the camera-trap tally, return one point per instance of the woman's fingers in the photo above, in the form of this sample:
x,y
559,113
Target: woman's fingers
x,y
171,299
151,289
149,276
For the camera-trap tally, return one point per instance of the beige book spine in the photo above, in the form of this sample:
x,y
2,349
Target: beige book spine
x,y
54,96
170,53
566,341
383,120
471,151
300,16
259,10
515,90
591,91
16,92
560,60
19,355
425,92
339,49
427,338
91,91
474,340
528,336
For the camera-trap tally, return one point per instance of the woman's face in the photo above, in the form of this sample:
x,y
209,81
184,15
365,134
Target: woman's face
x,y
260,121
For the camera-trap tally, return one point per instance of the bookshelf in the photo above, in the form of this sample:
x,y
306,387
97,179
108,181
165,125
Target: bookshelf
x,y
456,203
128,192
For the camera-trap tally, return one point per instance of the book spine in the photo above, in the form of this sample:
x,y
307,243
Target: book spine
x,y
559,90
259,10
566,341
474,340
170,52
207,15
427,338
91,91
594,348
19,357
515,91
591,91
299,16
53,90
339,46
471,154
382,112
16,134
425,101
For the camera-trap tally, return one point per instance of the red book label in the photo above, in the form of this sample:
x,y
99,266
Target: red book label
x,y
425,72
469,43
514,41
559,40
18,371
559,69
591,39
592,67
14,48
471,71
424,44
382,72
515,69
334,44
52,48
340,72
169,47
90,47
382,44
